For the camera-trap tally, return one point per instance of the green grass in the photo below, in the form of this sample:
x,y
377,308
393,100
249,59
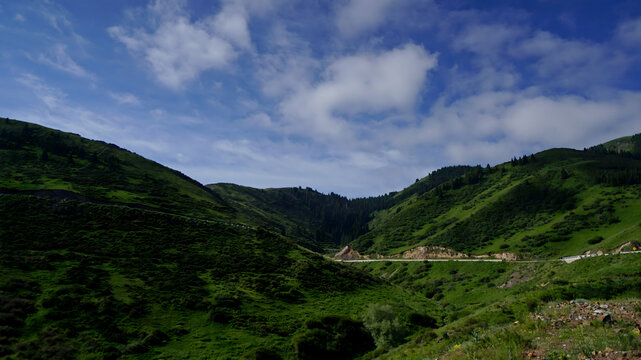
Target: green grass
x,y
478,314
550,207
103,172
104,254
111,276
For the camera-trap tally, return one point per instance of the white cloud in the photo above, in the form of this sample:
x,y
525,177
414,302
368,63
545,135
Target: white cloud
x,y
571,63
125,98
358,16
263,163
177,49
288,65
494,126
231,24
487,39
20,18
365,83
629,33
59,58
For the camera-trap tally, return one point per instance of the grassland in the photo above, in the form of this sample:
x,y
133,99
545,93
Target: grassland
x,y
489,310
555,204
106,255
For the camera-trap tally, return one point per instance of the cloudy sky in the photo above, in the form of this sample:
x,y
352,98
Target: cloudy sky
x,y
357,97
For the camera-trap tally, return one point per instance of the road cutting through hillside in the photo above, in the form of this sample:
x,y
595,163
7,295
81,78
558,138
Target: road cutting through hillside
x,y
566,259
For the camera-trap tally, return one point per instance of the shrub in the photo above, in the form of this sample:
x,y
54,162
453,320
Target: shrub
x,y
423,320
595,240
262,353
384,325
333,337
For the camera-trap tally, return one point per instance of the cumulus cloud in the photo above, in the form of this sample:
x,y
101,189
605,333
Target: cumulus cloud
x,y
364,83
494,126
231,24
357,16
177,49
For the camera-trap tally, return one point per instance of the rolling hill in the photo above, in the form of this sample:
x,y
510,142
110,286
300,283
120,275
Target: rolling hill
x,y
550,204
37,159
106,255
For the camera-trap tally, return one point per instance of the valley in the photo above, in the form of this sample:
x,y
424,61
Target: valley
x,y
106,255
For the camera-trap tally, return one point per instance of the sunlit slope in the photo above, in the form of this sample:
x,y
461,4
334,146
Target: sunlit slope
x,y
557,202
506,310
630,144
33,157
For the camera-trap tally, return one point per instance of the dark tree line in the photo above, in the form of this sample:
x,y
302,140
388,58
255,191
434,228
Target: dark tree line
x,y
523,160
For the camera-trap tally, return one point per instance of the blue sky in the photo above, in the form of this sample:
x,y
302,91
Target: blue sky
x,y
357,97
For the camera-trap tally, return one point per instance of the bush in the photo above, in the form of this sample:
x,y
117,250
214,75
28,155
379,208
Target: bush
x,y
384,325
262,354
423,320
595,240
333,337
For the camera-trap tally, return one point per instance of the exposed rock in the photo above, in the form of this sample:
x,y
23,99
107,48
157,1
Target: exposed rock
x,y
507,256
432,252
627,246
348,253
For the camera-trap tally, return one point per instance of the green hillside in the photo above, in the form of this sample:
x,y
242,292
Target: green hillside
x,y
554,203
543,310
626,144
318,220
35,158
94,273
107,255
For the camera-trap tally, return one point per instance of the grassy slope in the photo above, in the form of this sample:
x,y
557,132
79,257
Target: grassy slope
x,y
318,220
102,278
33,158
105,279
549,207
481,301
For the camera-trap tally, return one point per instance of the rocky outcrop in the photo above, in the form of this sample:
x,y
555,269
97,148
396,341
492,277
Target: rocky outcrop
x,y
432,252
627,246
507,256
348,253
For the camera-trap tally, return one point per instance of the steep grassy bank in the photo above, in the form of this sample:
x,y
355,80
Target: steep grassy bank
x,y
102,281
